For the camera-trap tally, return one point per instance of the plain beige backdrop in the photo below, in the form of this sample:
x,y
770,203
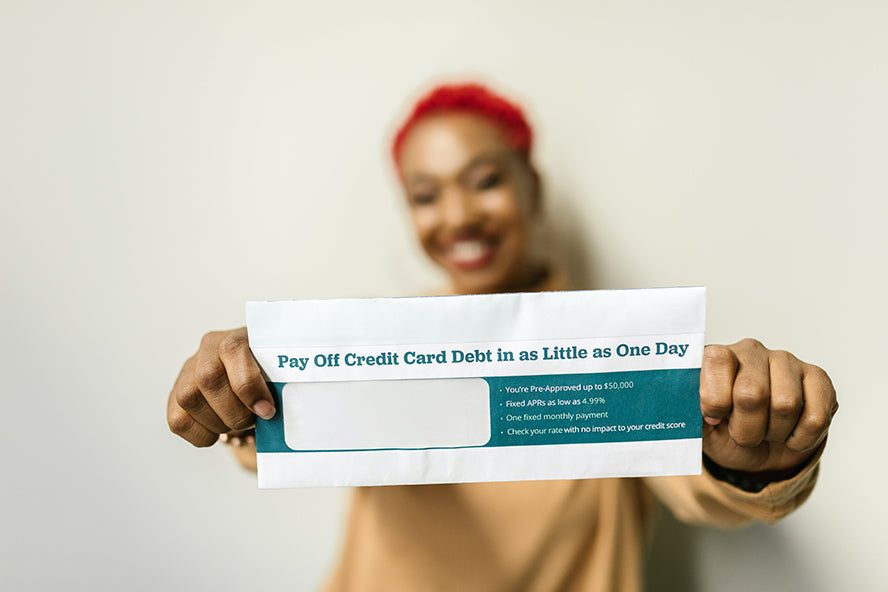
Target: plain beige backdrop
x,y
163,162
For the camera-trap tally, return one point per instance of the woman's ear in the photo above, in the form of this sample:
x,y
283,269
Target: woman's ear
x,y
536,191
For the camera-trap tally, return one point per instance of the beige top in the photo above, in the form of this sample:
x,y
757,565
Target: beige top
x,y
536,535
585,535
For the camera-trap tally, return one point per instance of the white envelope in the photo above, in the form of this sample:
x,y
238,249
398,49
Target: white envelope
x,y
549,385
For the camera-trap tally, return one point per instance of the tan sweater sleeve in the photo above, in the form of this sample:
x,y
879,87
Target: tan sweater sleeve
x,y
703,499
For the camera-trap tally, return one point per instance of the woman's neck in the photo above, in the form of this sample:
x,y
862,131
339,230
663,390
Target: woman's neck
x,y
541,277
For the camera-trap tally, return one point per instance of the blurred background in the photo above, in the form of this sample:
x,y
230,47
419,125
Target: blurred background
x,y
163,162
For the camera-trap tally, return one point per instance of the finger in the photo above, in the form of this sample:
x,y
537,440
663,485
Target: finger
x,y
717,375
185,426
190,399
244,375
819,408
751,397
212,380
787,396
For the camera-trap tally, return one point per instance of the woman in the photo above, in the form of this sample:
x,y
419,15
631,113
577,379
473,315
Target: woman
x,y
463,157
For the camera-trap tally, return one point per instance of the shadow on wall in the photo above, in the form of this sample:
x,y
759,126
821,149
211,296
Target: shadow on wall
x,y
563,238
696,559
684,558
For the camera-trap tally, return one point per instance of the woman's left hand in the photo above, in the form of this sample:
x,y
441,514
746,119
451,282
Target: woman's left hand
x,y
764,411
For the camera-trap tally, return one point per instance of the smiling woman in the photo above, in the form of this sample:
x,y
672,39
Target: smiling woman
x,y
463,157
474,196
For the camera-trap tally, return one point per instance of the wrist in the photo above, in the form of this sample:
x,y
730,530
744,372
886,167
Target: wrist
x,y
752,482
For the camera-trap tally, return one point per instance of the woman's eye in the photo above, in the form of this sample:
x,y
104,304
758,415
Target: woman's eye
x,y
489,181
421,199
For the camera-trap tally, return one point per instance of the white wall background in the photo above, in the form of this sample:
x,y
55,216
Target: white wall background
x,y
163,162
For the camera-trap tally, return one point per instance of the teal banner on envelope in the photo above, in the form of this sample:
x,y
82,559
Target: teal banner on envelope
x,y
571,409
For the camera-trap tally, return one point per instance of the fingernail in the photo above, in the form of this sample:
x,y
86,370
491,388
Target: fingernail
x,y
711,420
264,409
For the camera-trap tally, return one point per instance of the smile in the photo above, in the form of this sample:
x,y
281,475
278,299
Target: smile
x,y
471,254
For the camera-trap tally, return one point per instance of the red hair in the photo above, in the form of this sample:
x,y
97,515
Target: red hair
x,y
469,98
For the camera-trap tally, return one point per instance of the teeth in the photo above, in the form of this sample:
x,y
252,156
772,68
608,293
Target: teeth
x,y
466,251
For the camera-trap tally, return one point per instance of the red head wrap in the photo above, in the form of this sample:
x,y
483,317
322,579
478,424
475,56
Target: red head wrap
x,y
469,98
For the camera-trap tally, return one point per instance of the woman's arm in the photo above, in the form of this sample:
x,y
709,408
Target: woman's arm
x,y
766,416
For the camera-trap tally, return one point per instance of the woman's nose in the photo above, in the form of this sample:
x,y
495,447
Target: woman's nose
x,y
459,209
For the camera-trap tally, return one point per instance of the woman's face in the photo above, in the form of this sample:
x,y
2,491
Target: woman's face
x,y
472,200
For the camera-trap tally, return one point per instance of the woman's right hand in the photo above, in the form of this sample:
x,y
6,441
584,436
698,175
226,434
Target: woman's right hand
x,y
219,389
